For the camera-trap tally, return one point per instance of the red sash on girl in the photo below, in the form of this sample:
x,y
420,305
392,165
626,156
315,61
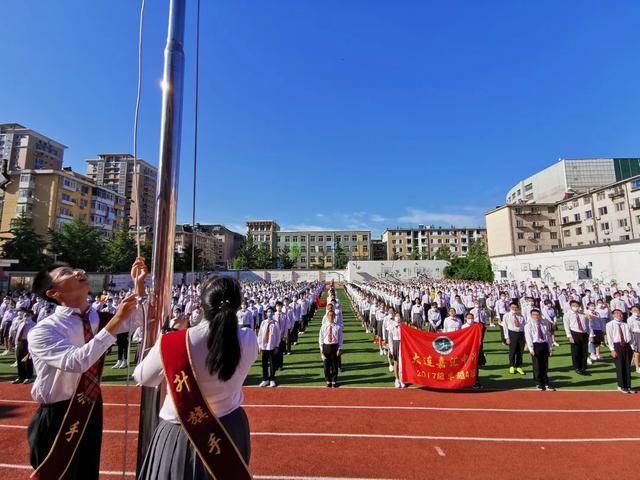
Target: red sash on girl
x,y
79,411
208,436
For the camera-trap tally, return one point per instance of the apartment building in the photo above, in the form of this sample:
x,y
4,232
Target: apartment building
x,y
229,242
26,149
209,245
318,247
264,231
116,171
378,250
602,215
424,241
55,197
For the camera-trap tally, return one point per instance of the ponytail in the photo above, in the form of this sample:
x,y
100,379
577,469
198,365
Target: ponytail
x,y
221,300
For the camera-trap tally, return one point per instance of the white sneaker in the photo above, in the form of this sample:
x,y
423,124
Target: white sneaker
x,y
381,352
264,383
637,369
556,344
5,353
124,365
272,383
402,385
391,368
593,357
397,384
589,361
14,364
117,364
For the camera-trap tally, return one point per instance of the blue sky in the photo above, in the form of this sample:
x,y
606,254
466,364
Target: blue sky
x,y
337,114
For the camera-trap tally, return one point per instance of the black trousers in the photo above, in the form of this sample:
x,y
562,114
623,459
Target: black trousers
x,y
540,362
268,365
294,332
280,355
330,353
623,365
516,347
42,432
122,340
25,367
579,350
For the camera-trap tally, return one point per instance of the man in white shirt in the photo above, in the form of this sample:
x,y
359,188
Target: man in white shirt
x,y
330,341
268,343
537,333
63,347
619,340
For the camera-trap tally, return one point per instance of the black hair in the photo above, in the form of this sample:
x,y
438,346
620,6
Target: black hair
x,y
574,302
43,282
514,303
221,300
535,310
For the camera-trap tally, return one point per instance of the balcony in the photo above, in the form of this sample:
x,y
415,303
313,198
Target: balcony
x,y
527,211
537,225
635,206
619,192
570,222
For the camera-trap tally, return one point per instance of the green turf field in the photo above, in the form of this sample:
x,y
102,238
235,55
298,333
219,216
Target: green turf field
x,y
364,367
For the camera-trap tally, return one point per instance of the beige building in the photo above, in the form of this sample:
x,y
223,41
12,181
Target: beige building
x,y
602,215
318,247
25,149
424,241
522,228
263,231
54,197
209,245
229,243
116,171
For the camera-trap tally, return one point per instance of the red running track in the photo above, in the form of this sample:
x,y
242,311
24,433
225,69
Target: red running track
x,y
388,433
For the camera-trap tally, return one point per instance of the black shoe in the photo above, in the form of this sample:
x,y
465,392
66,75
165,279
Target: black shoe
x,y
541,388
549,388
329,385
335,385
17,380
477,386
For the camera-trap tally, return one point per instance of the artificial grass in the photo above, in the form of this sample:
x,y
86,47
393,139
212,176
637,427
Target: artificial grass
x,y
364,367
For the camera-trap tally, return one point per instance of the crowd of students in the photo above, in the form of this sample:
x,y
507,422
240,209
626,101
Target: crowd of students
x,y
527,316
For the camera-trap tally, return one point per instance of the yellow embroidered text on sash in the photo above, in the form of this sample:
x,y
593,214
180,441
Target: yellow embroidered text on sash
x,y
72,430
214,444
181,379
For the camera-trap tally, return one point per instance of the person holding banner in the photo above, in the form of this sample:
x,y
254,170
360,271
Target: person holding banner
x,y
203,431
538,335
67,349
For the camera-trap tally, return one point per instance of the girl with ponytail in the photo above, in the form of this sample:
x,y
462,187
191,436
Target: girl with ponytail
x,y
221,354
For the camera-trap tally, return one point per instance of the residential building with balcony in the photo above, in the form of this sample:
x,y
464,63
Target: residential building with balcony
x,y
424,241
26,149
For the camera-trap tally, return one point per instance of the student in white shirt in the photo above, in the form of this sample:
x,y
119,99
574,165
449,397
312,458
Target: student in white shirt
x,y
330,342
61,353
634,326
221,355
452,322
434,318
597,326
394,347
268,343
619,339
22,325
538,338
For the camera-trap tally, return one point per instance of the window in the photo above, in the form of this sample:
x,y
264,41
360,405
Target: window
x,y
552,223
295,238
320,238
84,189
620,206
576,217
519,223
567,233
588,214
337,238
584,274
590,229
565,220
520,236
354,238
551,210
585,201
535,273
312,238
286,239
622,222
536,235
365,238
603,211
579,231
600,196
604,226
624,237
554,235
522,249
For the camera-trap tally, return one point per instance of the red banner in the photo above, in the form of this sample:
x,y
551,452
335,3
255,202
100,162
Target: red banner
x,y
440,360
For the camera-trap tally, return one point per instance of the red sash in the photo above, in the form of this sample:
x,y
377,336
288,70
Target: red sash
x,y
208,436
79,411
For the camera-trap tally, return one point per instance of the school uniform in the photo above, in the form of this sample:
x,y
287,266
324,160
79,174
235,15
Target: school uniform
x,y
61,350
634,327
435,319
25,366
451,324
619,341
268,342
513,326
576,327
245,318
538,338
330,341
417,316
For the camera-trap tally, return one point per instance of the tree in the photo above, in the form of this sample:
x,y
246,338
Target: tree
x,y
121,251
182,260
286,259
475,266
414,255
78,244
25,245
443,253
264,258
246,258
341,258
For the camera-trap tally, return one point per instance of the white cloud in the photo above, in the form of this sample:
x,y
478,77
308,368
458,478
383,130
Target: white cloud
x,y
237,227
303,227
417,216
377,218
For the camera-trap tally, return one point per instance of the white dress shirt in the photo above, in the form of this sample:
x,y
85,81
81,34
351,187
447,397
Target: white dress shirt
x,y
451,324
60,354
222,397
333,338
274,335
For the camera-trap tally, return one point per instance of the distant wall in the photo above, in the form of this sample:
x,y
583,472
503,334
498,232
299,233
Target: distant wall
x,y
605,263
395,269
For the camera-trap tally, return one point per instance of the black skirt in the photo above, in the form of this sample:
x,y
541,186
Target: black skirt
x,y
171,455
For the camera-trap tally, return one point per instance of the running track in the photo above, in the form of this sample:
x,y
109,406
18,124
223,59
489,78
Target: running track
x,y
381,433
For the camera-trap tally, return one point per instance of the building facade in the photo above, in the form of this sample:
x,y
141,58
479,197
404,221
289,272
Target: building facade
x,y
25,149
209,245
264,231
116,172
54,197
606,214
317,248
378,250
572,176
229,243
423,242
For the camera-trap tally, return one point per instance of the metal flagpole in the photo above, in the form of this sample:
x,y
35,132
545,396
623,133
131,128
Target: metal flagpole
x,y
165,218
